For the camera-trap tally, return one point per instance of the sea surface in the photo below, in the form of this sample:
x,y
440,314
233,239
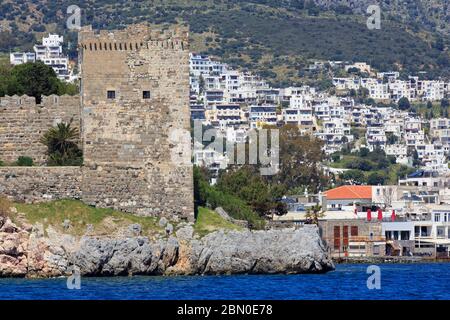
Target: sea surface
x,y
397,281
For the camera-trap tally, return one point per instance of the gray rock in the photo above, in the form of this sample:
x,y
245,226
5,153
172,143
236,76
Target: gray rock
x,y
162,222
232,252
169,228
66,224
135,229
223,213
8,226
185,233
272,251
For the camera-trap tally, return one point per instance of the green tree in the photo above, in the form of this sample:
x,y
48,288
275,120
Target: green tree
x,y
35,80
207,195
247,183
363,152
376,178
353,176
62,148
403,104
300,158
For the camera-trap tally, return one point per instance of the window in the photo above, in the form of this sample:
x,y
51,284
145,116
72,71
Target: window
x,y
437,217
146,94
404,235
111,94
440,232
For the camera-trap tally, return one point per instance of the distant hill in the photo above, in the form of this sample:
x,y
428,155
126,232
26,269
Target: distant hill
x,y
273,37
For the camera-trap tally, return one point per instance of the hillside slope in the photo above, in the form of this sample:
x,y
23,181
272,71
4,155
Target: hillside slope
x,y
273,37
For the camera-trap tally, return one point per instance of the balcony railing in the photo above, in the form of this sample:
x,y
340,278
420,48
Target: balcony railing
x,y
366,238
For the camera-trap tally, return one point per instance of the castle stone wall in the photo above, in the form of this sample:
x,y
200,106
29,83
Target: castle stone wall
x,y
22,124
38,184
136,142
137,153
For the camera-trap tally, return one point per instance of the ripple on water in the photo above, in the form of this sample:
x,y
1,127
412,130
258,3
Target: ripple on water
x,y
398,281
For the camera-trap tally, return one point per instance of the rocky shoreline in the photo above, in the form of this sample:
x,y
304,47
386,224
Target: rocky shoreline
x,y
35,251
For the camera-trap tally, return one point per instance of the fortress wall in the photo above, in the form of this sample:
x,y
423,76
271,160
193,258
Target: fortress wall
x,y
137,149
22,124
39,184
137,152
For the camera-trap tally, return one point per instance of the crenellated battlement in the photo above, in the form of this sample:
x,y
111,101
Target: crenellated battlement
x,y
134,38
50,101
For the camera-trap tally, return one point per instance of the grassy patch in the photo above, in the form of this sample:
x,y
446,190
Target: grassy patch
x,y
107,221
209,221
104,221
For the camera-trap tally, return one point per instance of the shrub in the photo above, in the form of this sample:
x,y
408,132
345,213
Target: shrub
x,y
206,195
376,178
24,162
360,164
355,176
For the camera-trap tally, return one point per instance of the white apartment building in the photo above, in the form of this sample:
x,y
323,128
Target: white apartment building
x,y
262,115
376,137
440,129
426,180
413,124
236,135
390,75
394,126
224,115
347,83
430,151
399,151
52,40
335,133
402,89
413,138
50,52
17,58
377,89
299,113
199,64
431,90
435,232
215,96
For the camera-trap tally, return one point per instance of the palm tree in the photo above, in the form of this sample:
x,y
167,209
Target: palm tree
x,y
61,144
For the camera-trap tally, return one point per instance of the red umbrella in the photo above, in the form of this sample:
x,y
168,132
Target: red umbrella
x,y
380,214
393,215
369,214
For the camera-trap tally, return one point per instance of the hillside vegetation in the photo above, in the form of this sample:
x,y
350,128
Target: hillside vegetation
x,y
273,37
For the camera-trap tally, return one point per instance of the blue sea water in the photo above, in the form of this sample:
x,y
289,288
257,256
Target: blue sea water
x,y
398,281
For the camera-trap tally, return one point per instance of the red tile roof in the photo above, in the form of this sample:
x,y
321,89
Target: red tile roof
x,y
349,192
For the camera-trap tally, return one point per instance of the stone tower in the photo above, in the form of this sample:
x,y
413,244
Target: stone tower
x,y
135,120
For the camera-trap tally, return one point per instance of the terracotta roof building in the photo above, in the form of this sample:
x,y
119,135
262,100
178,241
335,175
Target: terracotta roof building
x,y
350,192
